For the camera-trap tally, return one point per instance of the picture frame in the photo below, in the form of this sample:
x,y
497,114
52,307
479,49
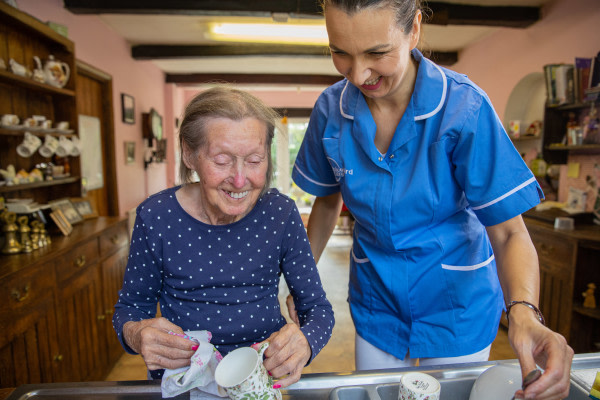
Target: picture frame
x,y
68,210
61,222
128,108
85,207
129,152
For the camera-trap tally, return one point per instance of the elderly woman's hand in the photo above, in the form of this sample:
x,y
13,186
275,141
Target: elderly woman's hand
x,y
287,354
536,344
159,349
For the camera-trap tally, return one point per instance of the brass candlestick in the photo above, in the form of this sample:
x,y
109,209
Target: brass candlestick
x,y
24,230
11,244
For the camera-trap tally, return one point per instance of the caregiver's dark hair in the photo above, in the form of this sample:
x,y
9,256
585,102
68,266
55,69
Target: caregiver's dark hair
x,y
222,102
405,9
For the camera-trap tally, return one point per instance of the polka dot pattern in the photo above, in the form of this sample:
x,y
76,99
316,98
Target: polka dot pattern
x,y
223,278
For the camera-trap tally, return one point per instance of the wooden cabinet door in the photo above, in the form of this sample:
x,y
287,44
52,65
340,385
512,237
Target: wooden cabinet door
x,y
113,269
81,321
29,351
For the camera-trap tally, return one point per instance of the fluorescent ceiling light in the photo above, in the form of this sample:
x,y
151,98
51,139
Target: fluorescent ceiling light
x,y
270,33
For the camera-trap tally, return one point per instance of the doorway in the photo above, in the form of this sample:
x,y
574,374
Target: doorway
x,y
94,99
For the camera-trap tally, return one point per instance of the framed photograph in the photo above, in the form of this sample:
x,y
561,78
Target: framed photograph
x,y
85,207
68,210
128,108
129,152
61,222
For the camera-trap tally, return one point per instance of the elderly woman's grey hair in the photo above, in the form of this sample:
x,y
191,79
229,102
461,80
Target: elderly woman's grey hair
x,y
405,9
222,102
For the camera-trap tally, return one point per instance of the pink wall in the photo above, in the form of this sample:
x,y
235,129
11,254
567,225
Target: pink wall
x,y
98,45
568,29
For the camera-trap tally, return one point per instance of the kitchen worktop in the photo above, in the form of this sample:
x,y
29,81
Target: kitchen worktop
x,y
456,381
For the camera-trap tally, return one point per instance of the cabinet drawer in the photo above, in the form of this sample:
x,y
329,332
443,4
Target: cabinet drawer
x,y
113,239
553,248
77,259
23,290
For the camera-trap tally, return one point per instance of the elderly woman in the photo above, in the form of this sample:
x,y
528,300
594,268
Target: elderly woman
x,y
211,251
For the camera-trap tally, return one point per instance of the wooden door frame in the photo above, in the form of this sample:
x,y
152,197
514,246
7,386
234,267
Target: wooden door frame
x,y
108,141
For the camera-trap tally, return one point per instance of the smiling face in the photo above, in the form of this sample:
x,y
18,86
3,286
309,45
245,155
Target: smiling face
x,y
372,51
232,167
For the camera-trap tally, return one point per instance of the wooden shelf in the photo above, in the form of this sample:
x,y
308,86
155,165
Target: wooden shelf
x,y
7,76
583,147
588,312
524,138
39,132
35,185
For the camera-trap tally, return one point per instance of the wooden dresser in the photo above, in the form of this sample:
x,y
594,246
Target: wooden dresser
x,y
569,260
56,306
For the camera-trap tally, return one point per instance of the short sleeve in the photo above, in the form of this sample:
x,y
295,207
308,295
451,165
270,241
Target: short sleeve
x,y
312,171
496,181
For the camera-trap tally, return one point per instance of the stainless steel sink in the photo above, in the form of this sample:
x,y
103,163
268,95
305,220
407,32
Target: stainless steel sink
x,y
456,380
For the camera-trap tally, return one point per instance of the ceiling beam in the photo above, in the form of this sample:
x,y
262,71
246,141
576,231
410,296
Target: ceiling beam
x,y
442,13
272,79
161,52
153,52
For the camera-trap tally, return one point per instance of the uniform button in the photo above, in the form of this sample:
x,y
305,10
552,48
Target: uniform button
x,y
392,156
380,158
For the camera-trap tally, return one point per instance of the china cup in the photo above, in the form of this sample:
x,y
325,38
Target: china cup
x,y
29,145
65,146
10,120
418,386
49,147
243,376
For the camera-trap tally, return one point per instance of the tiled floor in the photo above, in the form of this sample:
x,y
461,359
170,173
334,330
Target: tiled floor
x,y
338,355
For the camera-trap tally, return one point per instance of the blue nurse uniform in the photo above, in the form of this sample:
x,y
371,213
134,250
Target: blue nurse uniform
x,y
422,270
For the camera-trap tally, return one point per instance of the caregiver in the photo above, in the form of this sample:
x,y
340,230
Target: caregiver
x,y
421,160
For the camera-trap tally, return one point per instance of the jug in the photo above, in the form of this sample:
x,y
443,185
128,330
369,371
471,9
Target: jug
x,y
57,72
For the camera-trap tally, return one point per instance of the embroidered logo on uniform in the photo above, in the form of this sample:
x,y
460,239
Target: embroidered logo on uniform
x,y
338,171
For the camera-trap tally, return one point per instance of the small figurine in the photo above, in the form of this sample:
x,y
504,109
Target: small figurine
x,y
590,300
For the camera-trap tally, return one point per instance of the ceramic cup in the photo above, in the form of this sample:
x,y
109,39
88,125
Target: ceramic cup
x,y
46,124
10,120
418,386
29,145
49,147
243,376
30,123
76,150
64,147
62,125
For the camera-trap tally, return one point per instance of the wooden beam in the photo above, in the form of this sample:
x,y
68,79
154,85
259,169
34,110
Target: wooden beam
x,y
274,79
309,8
160,52
442,13
499,16
150,51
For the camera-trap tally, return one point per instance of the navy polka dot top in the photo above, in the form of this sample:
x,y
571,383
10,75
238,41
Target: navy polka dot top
x,y
223,278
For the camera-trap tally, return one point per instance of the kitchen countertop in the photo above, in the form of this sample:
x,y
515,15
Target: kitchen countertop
x,y
456,381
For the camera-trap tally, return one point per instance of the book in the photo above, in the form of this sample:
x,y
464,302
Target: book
x,y
582,74
594,72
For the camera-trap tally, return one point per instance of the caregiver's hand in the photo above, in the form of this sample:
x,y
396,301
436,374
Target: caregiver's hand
x,y
159,349
535,344
287,354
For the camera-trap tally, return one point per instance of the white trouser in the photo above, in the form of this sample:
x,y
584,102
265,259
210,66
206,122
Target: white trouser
x,y
368,357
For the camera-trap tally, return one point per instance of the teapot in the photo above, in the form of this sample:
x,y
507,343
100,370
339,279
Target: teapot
x,y
57,72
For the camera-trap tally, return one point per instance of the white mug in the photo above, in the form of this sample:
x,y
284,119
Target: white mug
x,y
62,125
76,150
30,123
242,373
418,386
64,147
10,120
49,147
29,145
46,124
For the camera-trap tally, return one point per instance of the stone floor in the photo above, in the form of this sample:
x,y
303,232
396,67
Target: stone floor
x,y
338,355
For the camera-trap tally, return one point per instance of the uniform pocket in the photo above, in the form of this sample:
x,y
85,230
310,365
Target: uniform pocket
x,y
360,288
